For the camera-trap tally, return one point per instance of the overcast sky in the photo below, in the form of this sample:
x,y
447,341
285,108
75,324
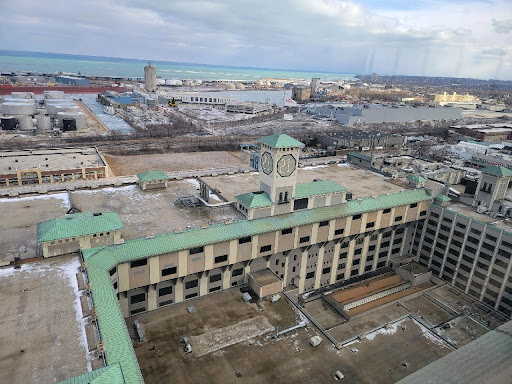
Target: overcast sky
x,y
461,38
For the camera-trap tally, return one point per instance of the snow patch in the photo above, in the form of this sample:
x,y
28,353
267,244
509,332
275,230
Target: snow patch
x,y
384,331
308,168
343,165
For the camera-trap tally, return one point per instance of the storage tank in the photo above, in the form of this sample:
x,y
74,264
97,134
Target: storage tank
x,y
43,122
9,123
53,95
78,116
230,86
11,108
53,109
25,123
22,95
240,86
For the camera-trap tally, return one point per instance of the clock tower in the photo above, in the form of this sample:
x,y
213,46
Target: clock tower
x,y
279,160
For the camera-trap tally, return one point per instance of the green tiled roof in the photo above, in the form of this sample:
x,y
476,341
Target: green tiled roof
x,y
317,188
78,224
416,178
280,140
113,332
254,199
152,175
497,171
110,374
360,156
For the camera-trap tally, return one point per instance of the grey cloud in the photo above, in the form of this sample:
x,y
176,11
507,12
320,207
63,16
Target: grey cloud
x,y
502,26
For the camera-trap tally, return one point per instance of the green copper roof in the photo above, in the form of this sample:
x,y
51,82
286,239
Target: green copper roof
x,y
100,260
497,171
360,156
110,374
443,198
152,175
416,178
280,140
254,199
317,188
78,224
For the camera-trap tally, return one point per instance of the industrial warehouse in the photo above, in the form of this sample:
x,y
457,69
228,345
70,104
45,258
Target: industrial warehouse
x,y
352,256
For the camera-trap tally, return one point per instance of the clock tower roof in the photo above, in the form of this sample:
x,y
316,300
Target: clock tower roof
x,y
280,140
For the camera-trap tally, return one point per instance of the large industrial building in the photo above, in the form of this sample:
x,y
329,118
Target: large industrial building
x,y
376,114
43,166
310,236
355,139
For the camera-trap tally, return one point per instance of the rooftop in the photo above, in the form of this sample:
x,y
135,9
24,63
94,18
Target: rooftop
x,y
254,199
360,156
111,374
497,171
316,188
152,175
50,159
78,224
280,140
416,178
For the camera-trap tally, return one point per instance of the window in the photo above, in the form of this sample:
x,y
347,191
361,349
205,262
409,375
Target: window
x,y
387,210
358,251
323,223
139,310
215,278
112,271
214,289
344,244
244,240
277,261
169,271
220,259
356,217
356,262
339,231
191,284
194,251
138,298
326,270
190,296
300,204
304,239
286,231
265,248
310,275
237,272
423,213
371,248
398,218
413,205
370,225
138,263
165,291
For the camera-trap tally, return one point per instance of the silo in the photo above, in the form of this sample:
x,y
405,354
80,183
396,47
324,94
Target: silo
x,y
150,78
11,108
9,123
25,123
22,95
78,116
53,95
43,122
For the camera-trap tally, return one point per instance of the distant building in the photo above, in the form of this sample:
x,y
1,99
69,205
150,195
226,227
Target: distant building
x,y
248,108
375,114
360,159
150,78
485,132
51,166
443,99
372,140
72,80
301,94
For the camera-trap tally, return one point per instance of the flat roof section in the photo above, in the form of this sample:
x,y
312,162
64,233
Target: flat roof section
x,y
264,277
50,159
366,288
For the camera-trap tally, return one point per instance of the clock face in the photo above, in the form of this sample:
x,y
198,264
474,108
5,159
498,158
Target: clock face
x,y
286,165
267,163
